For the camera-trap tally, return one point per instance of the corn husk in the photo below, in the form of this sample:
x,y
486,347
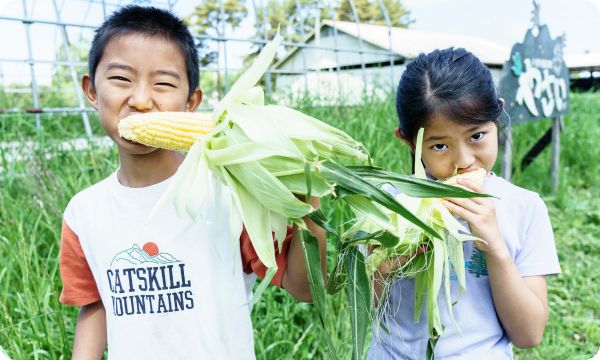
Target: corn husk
x,y
431,269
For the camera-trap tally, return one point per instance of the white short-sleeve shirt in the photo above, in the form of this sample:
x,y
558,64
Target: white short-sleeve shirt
x,y
525,226
172,288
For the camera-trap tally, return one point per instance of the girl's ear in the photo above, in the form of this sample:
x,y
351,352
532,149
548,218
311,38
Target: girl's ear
x,y
400,135
502,102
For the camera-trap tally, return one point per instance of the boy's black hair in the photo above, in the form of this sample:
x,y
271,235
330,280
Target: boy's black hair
x,y
148,21
452,82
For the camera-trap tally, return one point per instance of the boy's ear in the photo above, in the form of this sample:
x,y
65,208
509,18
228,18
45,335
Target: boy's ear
x,y
194,100
89,91
400,135
502,102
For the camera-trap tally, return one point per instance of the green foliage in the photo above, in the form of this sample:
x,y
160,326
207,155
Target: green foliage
x,y
369,12
35,191
207,19
296,19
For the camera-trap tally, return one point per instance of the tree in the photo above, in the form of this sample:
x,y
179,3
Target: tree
x,y
62,88
370,12
296,18
206,19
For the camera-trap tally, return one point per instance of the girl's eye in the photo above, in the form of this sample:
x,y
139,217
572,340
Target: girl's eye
x,y
166,84
439,147
478,137
120,78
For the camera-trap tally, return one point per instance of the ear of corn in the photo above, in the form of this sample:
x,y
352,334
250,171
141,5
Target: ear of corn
x,y
173,131
431,269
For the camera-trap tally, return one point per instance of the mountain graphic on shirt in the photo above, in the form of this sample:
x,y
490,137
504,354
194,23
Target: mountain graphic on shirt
x,y
136,256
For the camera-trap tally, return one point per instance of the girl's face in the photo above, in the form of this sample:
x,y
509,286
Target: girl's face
x,y
449,146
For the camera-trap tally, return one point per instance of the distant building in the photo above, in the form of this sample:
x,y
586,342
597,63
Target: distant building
x,y
385,53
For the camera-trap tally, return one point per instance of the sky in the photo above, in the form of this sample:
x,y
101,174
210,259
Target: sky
x,y
506,21
501,21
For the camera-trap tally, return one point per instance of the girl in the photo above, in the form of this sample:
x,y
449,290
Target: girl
x,y
451,94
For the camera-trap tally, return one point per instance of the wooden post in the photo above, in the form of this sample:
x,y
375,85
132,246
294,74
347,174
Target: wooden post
x,y
507,154
556,127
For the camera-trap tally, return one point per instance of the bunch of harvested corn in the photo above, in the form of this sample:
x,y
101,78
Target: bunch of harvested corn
x,y
432,267
266,154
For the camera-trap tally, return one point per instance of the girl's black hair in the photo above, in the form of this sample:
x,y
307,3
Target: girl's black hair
x,y
148,21
452,82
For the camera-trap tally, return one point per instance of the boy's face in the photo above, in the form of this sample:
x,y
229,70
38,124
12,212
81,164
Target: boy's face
x,y
138,73
449,145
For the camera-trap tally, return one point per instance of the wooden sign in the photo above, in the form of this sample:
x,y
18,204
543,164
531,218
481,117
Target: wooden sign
x,y
535,80
535,85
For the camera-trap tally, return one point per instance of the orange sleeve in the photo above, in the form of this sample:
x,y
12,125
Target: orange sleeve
x,y
251,263
79,286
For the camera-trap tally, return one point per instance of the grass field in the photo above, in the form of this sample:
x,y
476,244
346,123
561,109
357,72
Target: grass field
x,y
35,190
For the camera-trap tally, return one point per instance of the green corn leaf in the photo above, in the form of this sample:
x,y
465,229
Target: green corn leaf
x,y
182,177
424,262
347,179
256,218
338,277
308,175
413,186
239,154
319,218
283,166
279,227
312,259
359,300
267,190
419,168
435,283
262,127
297,183
249,78
362,205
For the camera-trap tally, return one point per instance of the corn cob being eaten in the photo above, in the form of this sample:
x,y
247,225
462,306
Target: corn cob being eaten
x,y
173,131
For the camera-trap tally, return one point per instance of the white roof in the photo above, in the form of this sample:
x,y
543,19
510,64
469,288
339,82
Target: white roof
x,y
583,61
410,43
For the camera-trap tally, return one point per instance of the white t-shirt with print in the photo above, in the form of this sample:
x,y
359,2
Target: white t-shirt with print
x,y
172,288
525,227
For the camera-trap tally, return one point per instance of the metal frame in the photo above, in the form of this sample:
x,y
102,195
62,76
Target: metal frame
x,y
222,41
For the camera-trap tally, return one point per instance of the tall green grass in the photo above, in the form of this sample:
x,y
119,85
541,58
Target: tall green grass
x,y
34,192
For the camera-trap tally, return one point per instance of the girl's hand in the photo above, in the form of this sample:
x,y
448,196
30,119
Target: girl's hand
x,y
480,213
392,264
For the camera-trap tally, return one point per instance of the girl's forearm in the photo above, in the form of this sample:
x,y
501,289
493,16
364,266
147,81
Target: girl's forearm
x,y
521,303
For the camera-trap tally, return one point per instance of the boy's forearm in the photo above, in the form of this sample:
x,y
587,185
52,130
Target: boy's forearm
x,y
295,278
90,332
521,303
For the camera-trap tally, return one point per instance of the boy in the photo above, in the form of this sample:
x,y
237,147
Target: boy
x,y
172,288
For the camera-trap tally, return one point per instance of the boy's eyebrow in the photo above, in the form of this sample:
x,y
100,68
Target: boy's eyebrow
x,y
169,73
114,65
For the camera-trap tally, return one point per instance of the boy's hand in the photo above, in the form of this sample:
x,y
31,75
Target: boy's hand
x,y
315,202
480,213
